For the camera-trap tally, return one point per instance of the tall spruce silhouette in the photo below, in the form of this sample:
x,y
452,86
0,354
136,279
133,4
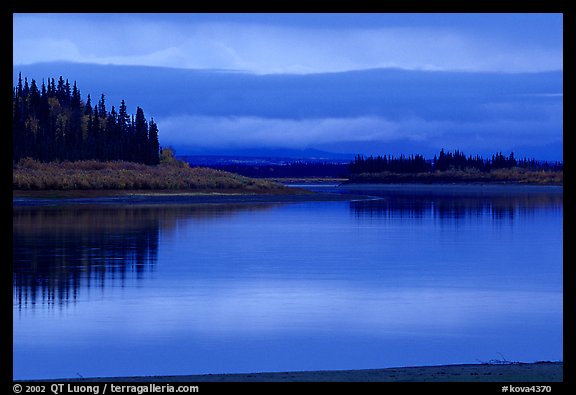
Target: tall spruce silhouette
x,y
55,123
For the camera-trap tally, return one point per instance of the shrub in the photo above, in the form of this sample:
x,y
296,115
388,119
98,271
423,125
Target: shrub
x,y
29,174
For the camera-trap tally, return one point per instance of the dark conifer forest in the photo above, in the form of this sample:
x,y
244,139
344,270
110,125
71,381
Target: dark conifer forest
x,y
53,122
444,161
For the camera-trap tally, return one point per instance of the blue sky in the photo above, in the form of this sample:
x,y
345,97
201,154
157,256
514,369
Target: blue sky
x,y
498,77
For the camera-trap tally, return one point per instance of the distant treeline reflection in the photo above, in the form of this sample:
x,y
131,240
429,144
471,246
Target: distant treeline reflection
x,y
57,251
448,206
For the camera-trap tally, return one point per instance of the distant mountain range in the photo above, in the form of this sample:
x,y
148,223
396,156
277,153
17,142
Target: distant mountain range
x,y
263,156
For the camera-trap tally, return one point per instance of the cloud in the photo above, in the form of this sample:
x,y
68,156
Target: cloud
x,y
256,132
30,50
272,132
268,48
371,111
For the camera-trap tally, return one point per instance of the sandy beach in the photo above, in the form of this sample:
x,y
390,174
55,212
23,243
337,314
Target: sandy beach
x,y
542,372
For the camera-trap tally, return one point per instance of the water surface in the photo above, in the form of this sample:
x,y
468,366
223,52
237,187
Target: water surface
x,y
413,276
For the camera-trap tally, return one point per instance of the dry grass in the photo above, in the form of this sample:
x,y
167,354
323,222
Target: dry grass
x,y
513,176
524,176
29,174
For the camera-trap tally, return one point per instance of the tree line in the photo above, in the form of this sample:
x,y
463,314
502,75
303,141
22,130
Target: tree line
x,y
456,160
53,122
294,169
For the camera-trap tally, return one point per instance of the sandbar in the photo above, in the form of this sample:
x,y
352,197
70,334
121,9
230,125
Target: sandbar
x,y
541,372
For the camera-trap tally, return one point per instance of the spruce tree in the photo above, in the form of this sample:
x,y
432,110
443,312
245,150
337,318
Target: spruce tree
x,y
113,136
154,145
55,124
141,136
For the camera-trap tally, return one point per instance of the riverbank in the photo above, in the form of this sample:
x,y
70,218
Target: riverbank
x,y
92,175
513,176
292,194
99,197
542,372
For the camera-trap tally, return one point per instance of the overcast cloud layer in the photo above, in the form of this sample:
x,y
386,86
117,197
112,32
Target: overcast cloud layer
x,y
368,83
529,43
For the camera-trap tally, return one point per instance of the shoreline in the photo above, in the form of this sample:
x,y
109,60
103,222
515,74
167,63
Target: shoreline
x,y
57,198
27,198
542,372
498,176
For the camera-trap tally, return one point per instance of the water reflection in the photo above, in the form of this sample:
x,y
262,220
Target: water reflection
x,y
152,290
451,204
57,251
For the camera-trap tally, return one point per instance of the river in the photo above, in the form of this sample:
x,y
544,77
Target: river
x,y
411,275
